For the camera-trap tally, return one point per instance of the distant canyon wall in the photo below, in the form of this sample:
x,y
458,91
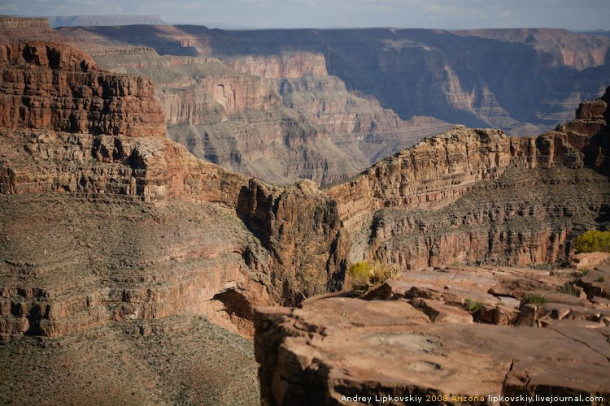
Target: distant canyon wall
x,y
279,117
359,93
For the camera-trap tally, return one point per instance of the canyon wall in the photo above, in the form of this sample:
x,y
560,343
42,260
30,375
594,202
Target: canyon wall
x,y
104,218
279,117
72,131
478,195
359,93
522,81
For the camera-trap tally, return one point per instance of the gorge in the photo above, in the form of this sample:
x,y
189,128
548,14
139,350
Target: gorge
x,y
122,253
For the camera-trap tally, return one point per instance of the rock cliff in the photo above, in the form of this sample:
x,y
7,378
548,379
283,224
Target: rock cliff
x,y
357,92
280,117
556,47
464,77
479,195
63,90
86,149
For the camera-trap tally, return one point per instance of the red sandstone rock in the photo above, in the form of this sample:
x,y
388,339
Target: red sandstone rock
x,y
333,348
56,87
116,147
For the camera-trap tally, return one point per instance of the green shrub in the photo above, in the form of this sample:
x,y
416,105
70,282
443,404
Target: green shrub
x,y
473,306
593,241
365,273
536,300
583,271
600,279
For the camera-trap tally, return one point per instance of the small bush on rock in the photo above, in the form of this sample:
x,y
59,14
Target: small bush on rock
x,y
364,273
593,241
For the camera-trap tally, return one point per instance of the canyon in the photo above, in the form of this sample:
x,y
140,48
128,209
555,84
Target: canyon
x,y
125,258
347,98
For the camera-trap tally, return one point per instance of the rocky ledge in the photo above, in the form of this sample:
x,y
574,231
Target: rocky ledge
x,y
444,336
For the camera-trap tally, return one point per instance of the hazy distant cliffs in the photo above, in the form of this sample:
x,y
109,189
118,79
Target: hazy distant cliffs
x,y
326,104
87,20
323,105
512,79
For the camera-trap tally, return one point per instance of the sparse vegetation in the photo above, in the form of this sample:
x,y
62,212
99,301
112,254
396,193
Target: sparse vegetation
x,y
593,241
583,271
364,273
600,279
536,299
542,267
568,289
473,306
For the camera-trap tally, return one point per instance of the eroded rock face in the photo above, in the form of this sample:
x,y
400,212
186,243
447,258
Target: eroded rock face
x,y
63,90
520,80
128,252
299,226
479,195
280,117
414,336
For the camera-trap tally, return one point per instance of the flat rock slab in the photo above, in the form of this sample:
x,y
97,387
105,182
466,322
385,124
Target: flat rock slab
x,y
333,349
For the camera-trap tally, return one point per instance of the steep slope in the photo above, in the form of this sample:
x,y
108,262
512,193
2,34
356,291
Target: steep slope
x,y
478,195
523,81
104,218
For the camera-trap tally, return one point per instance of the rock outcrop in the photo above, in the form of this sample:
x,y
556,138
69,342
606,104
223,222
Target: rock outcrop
x,y
74,136
479,195
62,90
413,340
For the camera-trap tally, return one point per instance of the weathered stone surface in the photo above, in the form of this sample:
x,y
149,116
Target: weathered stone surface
x,y
63,90
334,348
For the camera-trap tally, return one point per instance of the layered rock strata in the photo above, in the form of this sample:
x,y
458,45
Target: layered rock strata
x,y
280,117
537,334
524,80
92,143
479,195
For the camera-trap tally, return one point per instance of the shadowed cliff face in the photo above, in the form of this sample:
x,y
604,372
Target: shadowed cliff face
x,y
522,81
